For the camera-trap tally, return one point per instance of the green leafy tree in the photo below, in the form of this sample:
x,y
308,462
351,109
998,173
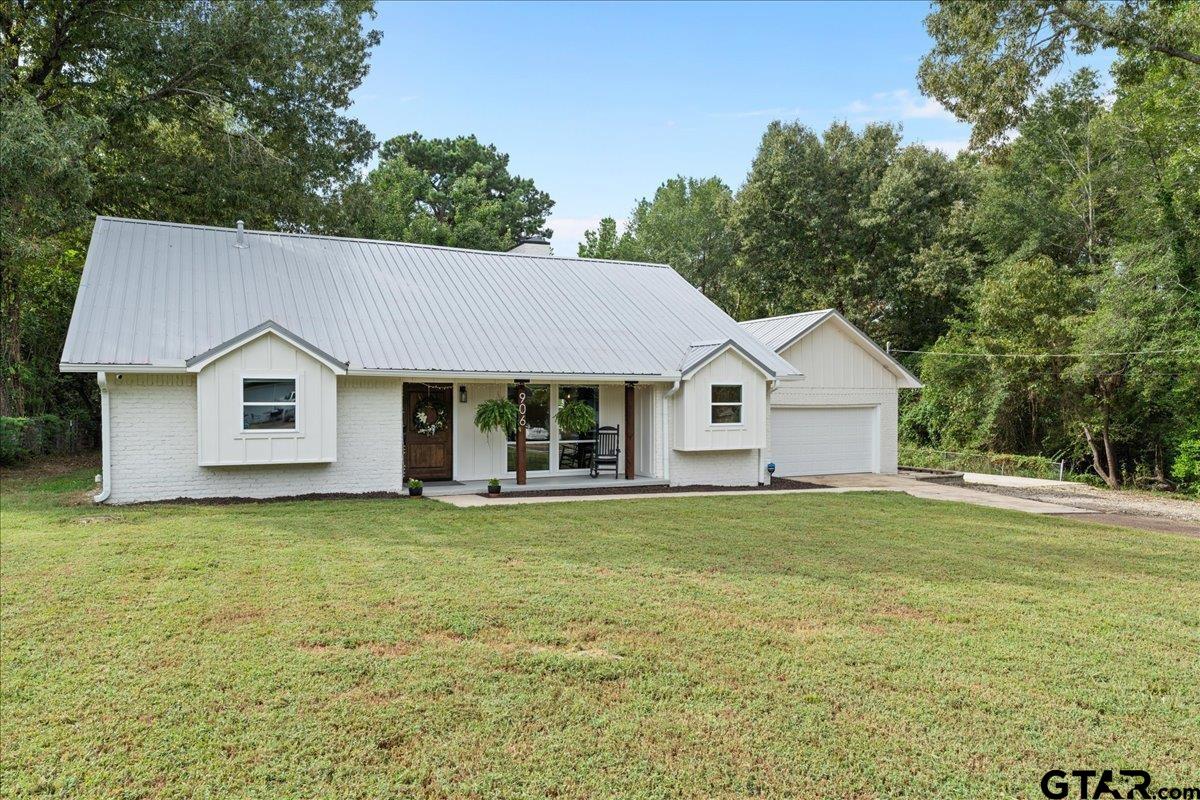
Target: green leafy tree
x,y
856,222
1052,190
687,225
1136,375
604,242
994,381
193,111
456,192
43,185
990,59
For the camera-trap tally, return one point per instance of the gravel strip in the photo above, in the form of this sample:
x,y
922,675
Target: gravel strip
x,y
1105,501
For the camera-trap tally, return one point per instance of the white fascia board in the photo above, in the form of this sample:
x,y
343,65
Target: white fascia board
x,y
201,361
741,351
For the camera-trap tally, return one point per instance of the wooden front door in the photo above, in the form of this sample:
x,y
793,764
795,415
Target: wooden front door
x,y
428,432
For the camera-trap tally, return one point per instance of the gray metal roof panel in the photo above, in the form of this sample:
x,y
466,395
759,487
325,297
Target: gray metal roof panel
x,y
158,294
779,332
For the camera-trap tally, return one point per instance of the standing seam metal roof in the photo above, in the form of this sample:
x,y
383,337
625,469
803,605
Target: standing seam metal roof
x,y
159,293
779,332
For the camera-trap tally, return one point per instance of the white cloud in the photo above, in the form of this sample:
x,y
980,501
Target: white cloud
x,y
897,104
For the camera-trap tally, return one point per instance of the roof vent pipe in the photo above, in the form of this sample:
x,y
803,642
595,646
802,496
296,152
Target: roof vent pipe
x,y
240,243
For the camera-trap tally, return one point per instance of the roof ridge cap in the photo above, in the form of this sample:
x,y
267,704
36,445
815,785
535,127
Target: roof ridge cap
x,y
391,242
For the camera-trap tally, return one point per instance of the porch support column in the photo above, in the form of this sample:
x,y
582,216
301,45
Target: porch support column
x,y
630,466
521,408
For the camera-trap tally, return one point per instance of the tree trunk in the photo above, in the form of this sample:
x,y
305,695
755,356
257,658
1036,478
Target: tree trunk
x,y
1108,473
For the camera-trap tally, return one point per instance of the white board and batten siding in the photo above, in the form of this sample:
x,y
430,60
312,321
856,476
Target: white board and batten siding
x,y
829,358
841,416
222,442
694,429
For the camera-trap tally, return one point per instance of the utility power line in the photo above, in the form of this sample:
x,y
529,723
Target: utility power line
x,y
1048,355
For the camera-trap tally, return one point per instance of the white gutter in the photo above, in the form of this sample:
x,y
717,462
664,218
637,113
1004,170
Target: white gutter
x,y
105,441
148,369
482,377
508,376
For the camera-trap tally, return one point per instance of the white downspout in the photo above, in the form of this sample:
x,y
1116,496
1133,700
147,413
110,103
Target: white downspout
x,y
763,476
105,441
667,422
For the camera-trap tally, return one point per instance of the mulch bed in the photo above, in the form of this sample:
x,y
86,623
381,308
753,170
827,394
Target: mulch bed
x,y
776,485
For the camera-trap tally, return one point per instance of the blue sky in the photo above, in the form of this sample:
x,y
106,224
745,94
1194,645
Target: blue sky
x,y
600,103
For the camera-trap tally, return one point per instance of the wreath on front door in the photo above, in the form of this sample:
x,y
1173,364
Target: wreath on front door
x,y
429,417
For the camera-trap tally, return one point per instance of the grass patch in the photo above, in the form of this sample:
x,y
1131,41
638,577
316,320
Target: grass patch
x,y
857,645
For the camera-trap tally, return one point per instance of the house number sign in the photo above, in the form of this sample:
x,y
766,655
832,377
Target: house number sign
x,y
521,406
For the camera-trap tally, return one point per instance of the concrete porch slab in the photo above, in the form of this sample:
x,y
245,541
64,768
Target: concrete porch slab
x,y
475,501
439,489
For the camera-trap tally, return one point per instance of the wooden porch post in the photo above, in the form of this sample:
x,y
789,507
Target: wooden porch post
x,y
521,396
630,466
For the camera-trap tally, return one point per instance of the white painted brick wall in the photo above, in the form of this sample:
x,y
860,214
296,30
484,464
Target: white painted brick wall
x,y
718,467
795,393
154,455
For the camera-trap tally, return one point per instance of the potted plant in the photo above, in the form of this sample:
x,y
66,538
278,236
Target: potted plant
x,y
497,414
415,487
494,486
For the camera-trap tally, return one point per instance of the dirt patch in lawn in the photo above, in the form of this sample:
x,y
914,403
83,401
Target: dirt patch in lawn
x,y
776,485
1165,524
41,467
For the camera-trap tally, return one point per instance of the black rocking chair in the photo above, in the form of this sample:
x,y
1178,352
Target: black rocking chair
x,y
608,450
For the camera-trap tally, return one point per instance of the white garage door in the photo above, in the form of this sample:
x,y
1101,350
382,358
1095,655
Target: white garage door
x,y
823,441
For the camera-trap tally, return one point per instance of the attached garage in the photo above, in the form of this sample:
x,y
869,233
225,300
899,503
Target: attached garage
x,y
824,440
839,415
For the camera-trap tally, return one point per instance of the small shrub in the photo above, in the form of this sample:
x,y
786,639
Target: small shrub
x,y
12,440
1185,469
413,483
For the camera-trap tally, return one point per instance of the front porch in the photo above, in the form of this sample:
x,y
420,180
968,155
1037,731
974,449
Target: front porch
x,y
454,457
509,486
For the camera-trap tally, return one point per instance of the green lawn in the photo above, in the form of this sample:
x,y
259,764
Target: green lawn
x,y
859,645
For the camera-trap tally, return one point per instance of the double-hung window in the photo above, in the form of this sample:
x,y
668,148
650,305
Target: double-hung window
x,y
726,404
268,404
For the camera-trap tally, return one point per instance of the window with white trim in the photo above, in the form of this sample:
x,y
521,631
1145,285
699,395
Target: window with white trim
x,y
726,404
268,404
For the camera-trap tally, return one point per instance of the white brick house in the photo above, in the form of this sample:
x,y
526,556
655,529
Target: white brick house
x,y
253,364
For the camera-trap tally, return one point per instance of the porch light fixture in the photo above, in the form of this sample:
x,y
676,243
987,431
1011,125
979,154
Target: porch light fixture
x,y
462,393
